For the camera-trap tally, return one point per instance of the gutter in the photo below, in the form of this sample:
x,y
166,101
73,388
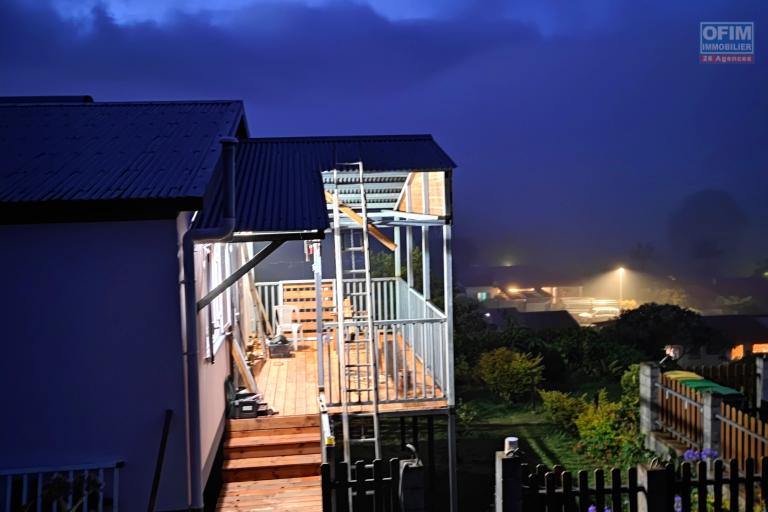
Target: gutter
x,y
221,233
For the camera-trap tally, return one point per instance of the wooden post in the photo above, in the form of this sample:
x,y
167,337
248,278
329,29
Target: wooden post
x,y
761,381
649,399
711,425
659,493
509,489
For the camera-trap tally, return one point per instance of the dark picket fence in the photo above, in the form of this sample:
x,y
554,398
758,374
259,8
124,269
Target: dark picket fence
x,y
692,487
374,488
545,490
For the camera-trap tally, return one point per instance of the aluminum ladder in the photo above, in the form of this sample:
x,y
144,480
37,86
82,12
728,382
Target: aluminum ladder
x,y
357,348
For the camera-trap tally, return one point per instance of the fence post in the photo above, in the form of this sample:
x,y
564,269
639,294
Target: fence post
x,y
658,484
649,399
509,491
710,423
761,381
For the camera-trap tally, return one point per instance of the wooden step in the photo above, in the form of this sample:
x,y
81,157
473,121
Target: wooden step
x,y
273,422
268,446
267,433
268,468
302,494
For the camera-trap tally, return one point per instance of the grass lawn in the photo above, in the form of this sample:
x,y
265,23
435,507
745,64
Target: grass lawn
x,y
540,441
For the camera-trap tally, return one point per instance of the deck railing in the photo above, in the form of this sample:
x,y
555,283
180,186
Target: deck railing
x,y
413,358
79,487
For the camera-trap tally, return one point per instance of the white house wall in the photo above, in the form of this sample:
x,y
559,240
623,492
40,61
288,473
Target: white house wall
x,y
212,375
91,338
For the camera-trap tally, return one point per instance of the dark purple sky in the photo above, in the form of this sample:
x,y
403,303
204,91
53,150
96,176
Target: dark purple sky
x,y
578,125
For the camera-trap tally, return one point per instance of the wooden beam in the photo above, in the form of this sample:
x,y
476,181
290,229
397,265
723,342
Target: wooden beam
x,y
352,214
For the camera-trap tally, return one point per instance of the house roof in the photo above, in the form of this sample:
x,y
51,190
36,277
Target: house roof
x,y
377,152
557,320
279,179
64,159
273,194
739,329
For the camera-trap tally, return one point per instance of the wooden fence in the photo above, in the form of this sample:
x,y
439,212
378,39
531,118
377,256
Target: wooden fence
x,y
701,486
680,412
545,490
375,489
740,375
742,436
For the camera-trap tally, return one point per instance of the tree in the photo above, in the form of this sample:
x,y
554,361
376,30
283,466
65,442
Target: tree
x,y
511,375
472,336
652,326
706,227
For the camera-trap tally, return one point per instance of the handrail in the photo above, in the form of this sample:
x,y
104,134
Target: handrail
x,y
420,297
390,322
682,397
60,469
159,460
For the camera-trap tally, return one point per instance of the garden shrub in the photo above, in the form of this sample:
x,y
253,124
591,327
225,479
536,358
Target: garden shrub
x,y
511,375
563,409
600,429
606,437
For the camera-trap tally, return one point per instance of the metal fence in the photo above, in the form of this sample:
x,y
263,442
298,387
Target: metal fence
x,y
414,355
58,489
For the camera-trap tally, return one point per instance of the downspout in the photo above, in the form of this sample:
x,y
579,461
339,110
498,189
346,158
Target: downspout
x,y
220,233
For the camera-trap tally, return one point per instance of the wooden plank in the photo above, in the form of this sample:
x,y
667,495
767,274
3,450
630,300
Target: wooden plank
x,y
242,366
274,422
373,230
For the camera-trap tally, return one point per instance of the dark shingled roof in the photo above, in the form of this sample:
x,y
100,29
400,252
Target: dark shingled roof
x,y
80,159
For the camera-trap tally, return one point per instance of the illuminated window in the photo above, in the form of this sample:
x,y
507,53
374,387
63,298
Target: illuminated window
x,y
737,352
481,296
760,348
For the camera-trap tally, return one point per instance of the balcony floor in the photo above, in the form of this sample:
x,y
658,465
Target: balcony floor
x,y
289,386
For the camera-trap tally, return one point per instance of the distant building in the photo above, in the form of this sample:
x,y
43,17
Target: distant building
x,y
522,287
744,334
558,320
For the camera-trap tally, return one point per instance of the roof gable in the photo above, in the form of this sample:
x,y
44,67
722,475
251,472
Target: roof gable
x,y
57,155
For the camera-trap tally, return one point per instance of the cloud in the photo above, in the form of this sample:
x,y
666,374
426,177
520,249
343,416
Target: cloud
x,y
577,128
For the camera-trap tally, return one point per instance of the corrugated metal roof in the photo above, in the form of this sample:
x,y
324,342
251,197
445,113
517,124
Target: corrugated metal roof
x,y
279,180
273,193
377,152
62,152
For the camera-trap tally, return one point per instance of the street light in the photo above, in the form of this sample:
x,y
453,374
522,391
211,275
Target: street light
x,y
621,286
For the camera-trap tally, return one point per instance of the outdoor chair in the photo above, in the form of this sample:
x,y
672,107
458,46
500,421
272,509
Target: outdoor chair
x,y
287,319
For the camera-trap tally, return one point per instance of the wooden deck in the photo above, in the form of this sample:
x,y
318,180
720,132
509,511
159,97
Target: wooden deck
x,y
289,385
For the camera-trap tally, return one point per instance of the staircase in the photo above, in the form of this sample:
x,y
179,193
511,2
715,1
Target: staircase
x,y
272,464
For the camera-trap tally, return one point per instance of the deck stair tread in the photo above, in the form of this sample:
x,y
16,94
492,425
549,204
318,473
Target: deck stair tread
x,y
276,461
272,464
279,439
